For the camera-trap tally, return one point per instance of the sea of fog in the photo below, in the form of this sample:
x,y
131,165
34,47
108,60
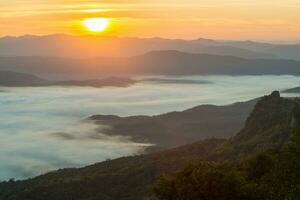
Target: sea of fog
x,y
33,120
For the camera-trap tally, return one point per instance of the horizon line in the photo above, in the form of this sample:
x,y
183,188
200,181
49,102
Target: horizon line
x,y
287,42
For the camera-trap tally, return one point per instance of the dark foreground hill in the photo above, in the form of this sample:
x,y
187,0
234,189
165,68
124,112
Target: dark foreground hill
x,y
261,163
268,127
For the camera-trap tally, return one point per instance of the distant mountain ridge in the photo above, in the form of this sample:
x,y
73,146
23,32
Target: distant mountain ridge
x,y
153,63
87,46
17,79
179,128
292,90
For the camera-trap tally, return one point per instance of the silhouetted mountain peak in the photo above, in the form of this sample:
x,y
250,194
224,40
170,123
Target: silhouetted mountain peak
x,y
166,52
206,41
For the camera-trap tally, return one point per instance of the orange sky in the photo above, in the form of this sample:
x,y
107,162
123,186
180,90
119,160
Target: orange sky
x,y
219,19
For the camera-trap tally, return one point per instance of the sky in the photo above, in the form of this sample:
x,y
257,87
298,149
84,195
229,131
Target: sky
x,y
216,19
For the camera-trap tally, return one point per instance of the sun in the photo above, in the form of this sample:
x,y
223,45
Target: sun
x,y
96,24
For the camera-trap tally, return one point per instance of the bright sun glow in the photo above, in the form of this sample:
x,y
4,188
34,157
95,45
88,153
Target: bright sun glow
x,y
96,24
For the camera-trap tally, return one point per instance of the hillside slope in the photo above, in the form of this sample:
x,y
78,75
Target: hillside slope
x,y
129,178
179,128
269,126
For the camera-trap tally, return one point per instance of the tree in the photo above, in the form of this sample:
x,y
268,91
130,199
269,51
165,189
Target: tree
x,y
207,181
286,173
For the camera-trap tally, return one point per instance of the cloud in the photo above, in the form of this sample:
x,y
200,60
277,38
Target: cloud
x,y
64,136
42,129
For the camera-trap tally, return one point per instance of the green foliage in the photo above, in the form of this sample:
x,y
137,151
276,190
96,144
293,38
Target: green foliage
x,y
267,127
286,173
208,181
92,183
272,175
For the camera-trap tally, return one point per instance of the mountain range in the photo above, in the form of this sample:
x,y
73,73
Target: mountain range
x,y
153,63
87,46
87,57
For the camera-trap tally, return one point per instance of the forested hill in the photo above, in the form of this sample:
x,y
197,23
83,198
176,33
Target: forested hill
x,y
268,127
173,129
